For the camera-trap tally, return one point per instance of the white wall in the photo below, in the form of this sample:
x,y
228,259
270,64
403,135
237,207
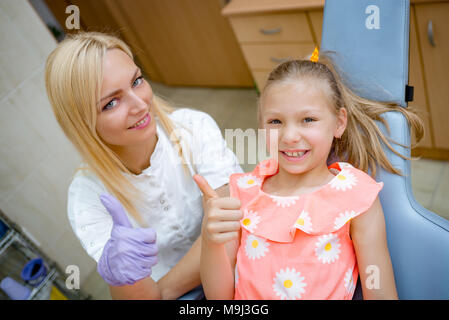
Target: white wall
x,y
36,159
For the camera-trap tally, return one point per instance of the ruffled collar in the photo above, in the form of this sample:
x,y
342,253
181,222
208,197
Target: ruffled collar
x,y
278,218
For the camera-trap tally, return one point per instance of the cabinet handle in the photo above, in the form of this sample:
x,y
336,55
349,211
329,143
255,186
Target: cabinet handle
x,y
430,33
279,60
270,31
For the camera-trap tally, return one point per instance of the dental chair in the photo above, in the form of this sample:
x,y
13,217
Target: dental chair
x,y
368,40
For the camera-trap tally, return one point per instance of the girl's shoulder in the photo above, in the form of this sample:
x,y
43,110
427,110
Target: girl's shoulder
x,y
242,184
344,171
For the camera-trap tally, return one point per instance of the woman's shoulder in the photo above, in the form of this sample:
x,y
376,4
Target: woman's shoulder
x,y
85,180
84,191
190,118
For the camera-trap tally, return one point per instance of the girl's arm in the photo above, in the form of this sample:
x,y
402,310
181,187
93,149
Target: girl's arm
x,y
370,242
217,269
220,239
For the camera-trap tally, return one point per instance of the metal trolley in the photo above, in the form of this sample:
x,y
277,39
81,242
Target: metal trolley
x,y
16,249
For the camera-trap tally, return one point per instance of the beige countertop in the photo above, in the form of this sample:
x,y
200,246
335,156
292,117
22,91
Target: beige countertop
x,y
258,6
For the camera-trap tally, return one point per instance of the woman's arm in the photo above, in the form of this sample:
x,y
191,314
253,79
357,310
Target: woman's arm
x,y
186,274
145,289
370,242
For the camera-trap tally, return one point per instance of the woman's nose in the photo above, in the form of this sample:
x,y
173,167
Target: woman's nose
x,y
137,103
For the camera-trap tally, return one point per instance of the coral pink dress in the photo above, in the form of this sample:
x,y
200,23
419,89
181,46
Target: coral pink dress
x,y
299,247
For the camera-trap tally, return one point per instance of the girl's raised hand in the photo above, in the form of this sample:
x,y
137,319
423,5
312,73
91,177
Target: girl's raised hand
x,y
222,216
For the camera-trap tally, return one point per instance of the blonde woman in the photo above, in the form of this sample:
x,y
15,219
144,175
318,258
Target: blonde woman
x,y
141,154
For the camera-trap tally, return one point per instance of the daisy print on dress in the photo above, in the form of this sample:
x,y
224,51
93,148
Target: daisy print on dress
x,y
304,222
343,218
248,181
344,180
284,201
250,220
255,247
327,248
288,284
349,281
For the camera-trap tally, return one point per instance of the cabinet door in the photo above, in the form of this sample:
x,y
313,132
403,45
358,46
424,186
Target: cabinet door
x,y
183,42
435,53
416,79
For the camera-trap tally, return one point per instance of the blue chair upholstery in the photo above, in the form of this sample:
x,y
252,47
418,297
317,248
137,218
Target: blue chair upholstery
x,y
194,294
368,40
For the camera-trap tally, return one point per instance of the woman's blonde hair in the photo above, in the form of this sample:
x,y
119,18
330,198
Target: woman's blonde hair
x,y
361,143
73,78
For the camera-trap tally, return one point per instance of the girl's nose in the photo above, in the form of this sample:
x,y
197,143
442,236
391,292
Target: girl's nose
x,y
290,136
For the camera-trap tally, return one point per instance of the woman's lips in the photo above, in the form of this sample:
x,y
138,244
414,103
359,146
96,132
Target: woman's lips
x,y
142,123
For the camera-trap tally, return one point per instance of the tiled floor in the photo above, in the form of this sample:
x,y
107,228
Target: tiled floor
x,y
237,108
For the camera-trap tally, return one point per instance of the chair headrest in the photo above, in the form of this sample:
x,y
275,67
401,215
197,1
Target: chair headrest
x,y
368,40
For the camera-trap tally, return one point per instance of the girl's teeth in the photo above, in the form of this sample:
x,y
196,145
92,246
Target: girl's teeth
x,y
295,154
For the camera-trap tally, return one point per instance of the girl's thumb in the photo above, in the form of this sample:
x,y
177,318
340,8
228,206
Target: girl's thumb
x,y
205,188
116,210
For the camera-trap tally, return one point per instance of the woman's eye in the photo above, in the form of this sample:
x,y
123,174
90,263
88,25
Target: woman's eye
x,y
275,121
138,81
110,104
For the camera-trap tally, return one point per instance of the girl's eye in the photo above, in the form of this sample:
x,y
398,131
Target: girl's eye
x,y
110,104
308,119
275,121
138,81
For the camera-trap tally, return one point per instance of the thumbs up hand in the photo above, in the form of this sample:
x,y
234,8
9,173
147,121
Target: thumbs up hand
x,y
130,253
221,222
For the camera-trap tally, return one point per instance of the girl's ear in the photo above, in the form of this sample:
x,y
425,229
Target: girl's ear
x,y
342,120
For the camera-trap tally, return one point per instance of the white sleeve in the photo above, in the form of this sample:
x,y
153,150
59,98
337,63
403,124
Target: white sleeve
x,y
90,221
211,156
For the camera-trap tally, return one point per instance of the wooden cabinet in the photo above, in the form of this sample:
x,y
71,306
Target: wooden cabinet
x,y
182,42
430,69
269,35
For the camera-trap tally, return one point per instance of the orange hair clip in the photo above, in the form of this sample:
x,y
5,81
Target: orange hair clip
x,y
315,55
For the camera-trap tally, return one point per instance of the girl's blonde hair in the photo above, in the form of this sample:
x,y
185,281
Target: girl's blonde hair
x,y
73,78
361,143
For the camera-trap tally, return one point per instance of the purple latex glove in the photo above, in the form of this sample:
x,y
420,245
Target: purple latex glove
x,y
130,252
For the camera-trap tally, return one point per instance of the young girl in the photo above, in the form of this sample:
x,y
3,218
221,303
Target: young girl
x,y
305,230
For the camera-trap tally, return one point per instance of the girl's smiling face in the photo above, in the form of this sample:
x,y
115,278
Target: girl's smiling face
x,y
124,117
306,123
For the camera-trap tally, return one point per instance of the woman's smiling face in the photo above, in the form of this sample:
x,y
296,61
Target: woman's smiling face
x,y
306,124
125,117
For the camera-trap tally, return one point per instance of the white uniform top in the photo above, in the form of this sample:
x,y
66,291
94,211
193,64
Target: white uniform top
x,y
172,202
